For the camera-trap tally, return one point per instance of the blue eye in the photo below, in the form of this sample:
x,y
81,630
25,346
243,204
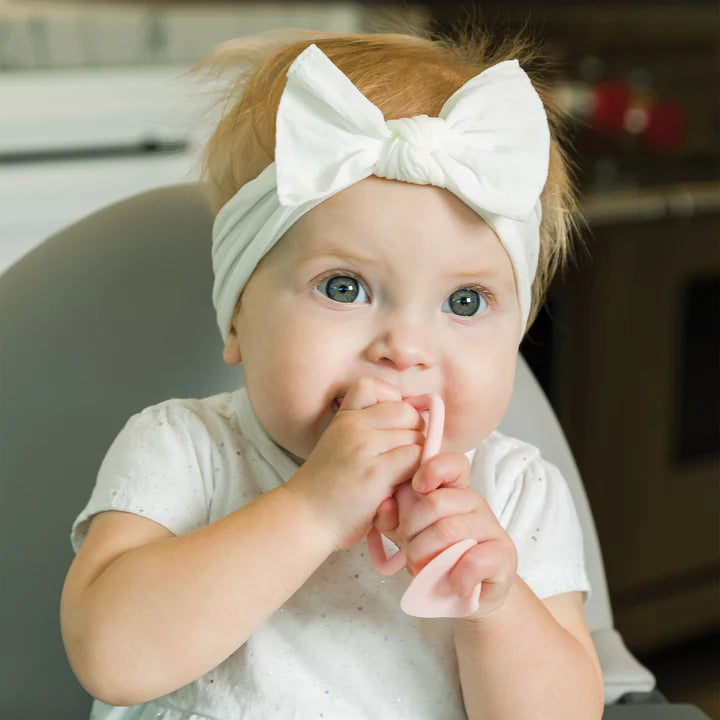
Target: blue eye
x,y
342,288
464,302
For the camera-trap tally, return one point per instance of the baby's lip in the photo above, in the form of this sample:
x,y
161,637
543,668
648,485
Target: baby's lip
x,y
339,399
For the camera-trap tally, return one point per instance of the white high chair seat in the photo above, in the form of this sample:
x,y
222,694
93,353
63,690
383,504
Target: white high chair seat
x,y
110,315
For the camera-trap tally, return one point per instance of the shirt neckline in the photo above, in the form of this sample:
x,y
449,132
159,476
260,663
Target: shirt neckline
x,y
281,462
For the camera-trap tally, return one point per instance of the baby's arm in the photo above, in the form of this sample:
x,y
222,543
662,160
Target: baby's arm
x,y
144,612
518,656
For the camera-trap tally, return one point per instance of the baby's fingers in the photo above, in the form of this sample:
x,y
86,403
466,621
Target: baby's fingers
x,y
367,391
386,519
494,563
447,531
448,469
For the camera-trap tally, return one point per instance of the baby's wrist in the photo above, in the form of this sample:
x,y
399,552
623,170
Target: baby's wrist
x,y
309,513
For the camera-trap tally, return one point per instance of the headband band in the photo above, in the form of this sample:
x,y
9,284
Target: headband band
x,y
489,146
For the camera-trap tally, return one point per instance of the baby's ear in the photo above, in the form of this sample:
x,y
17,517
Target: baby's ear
x,y
232,354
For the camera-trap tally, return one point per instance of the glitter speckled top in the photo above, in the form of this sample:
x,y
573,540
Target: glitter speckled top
x,y
340,646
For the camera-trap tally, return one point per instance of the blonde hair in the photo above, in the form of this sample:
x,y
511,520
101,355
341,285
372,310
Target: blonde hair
x,y
404,75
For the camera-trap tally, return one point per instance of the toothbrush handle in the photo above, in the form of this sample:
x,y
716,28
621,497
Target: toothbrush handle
x,y
433,410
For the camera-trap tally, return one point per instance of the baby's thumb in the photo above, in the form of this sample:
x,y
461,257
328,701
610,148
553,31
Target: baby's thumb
x,y
386,518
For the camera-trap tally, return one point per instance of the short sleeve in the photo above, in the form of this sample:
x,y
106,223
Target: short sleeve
x,y
155,468
532,501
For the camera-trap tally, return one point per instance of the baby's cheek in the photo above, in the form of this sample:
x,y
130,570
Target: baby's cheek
x,y
464,430
300,422
473,412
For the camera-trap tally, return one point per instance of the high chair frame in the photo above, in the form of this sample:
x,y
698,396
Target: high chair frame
x,y
104,318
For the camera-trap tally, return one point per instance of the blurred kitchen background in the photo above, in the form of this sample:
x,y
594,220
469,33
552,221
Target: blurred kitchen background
x,y
93,109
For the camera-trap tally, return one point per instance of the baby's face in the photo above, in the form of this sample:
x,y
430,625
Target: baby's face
x,y
388,279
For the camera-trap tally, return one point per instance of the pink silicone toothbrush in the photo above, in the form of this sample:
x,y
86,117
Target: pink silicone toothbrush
x,y
429,594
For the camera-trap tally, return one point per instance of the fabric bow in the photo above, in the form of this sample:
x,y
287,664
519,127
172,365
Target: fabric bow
x,y
489,146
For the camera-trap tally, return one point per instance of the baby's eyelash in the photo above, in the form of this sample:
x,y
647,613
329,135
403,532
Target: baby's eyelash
x,y
341,273
338,273
480,289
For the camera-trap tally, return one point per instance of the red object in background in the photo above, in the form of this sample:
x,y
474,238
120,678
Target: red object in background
x,y
616,109
665,131
610,102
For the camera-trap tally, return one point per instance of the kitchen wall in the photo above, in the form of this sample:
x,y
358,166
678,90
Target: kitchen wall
x,y
94,105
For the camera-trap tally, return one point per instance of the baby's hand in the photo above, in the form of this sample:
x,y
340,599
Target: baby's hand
x,y
446,515
373,444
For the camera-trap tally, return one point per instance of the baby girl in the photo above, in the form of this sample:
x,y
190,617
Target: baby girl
x,y
390,210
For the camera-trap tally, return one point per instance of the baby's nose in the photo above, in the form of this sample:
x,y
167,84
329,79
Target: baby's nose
x,y
403,346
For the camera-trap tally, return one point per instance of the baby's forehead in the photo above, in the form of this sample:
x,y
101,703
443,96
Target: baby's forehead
x,y
434,260
394,229
386,242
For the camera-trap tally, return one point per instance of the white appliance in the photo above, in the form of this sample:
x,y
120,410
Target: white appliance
x,y
73,141
93,108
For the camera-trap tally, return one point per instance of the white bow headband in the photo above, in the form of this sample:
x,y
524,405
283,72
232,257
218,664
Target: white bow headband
x,y
489,146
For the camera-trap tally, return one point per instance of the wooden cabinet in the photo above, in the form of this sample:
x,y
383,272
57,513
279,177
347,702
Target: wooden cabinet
x,y
635,384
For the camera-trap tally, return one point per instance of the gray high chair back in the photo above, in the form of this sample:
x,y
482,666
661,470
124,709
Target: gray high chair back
x,y
103,319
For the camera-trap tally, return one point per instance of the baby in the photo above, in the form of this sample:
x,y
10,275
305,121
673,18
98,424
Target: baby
x,y
390,211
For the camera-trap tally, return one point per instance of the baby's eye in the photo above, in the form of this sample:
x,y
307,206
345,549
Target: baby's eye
x,y
465,302
342,288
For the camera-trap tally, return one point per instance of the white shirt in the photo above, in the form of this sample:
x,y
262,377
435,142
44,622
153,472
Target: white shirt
x,y
340,646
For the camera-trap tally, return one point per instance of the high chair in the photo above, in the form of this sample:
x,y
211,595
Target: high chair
x,y
104,318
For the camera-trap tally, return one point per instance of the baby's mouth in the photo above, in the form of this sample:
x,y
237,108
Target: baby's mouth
x,y
338,402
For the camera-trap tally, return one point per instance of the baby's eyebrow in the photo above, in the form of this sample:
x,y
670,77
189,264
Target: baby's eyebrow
x,y
459,271
338,255
487,273
496,280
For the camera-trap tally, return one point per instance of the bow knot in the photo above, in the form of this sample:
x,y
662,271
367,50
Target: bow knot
x,y
409,153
